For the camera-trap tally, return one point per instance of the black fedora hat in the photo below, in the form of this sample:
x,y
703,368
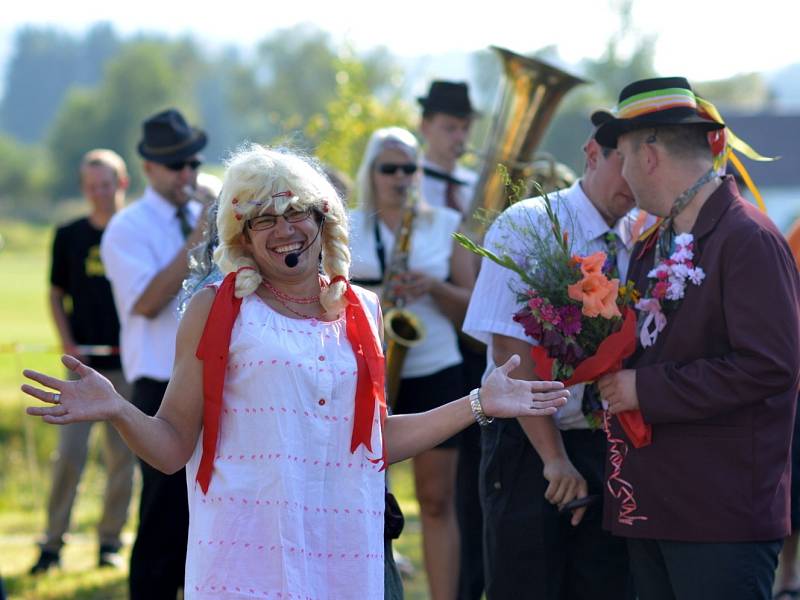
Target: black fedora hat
x,y
449,97
651,103
168,138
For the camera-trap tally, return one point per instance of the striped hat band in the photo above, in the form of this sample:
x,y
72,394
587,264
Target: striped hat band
x,y
655,101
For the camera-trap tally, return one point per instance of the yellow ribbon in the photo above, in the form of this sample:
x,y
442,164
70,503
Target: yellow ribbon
x,y
735,143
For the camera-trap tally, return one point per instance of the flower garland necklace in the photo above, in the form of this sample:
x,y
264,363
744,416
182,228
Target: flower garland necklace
x,y
670,273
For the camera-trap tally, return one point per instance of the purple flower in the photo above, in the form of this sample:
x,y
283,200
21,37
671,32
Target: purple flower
x,y
529,322
570,320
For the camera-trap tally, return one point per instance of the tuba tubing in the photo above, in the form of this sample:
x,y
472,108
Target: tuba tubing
x,y
526,101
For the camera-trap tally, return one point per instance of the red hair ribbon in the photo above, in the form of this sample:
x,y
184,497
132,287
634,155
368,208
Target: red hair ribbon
x,y
370,382
213,350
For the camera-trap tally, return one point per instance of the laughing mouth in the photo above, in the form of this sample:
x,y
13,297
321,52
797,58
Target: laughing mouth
x,y
287,248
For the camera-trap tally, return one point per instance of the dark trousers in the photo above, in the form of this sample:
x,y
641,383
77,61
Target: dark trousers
x,y
532,551
666,570
468,505
158,557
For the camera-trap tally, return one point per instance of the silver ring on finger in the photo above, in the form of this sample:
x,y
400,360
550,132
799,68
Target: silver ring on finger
x,y
56,397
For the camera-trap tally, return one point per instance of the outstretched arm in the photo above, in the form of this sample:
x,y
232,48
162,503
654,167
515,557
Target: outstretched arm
x,y
166,440
501,396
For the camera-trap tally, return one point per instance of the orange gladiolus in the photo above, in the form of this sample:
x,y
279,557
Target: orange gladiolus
x,y
597,294
592,264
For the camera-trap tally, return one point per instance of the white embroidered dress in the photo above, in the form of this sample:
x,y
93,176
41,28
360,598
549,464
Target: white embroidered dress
x,y
290,513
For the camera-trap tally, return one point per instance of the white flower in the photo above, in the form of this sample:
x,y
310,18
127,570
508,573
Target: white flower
x,y
684,239
679,271
675,290
661,268
682,254
696,275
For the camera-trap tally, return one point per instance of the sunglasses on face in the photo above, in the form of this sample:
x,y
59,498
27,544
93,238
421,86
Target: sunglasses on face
x,y
392,168
193,164
263,222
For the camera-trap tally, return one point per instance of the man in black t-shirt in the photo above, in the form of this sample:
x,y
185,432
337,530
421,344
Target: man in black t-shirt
x,y
84,315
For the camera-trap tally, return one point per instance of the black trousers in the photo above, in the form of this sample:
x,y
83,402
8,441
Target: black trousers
x,y
158,558
666,570
468,505
532,551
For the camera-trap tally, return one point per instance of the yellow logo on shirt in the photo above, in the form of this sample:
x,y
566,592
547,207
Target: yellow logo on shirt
x,y
94,266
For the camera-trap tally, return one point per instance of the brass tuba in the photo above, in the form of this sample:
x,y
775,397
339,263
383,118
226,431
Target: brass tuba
x,y
525,104
402,328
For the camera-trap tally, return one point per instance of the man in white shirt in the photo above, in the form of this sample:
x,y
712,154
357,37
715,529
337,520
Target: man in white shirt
x,y
531,468
447,117
144,249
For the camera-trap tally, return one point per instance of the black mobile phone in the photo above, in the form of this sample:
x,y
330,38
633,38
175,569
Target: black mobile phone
x,y
578,503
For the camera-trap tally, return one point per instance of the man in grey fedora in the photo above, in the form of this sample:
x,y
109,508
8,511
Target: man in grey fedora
x,y
144,249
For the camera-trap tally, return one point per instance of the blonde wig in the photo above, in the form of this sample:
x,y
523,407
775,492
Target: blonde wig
x,y
395,138
258,178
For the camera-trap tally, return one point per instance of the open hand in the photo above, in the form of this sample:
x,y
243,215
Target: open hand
x,y
502,396
92,397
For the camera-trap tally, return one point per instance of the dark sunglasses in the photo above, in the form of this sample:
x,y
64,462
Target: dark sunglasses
x,y
392,168
193,164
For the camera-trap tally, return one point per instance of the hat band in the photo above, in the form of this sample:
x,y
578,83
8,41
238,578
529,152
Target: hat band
x,y
656,101
161,150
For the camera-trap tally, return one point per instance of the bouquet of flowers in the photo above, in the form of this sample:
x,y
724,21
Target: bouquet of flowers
x,y
580,316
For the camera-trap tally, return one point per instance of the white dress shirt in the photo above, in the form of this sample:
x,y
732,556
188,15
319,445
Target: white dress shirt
x,y
494,299
434,190
138,243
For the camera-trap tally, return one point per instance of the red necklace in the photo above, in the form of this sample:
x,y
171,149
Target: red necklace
x,y
287,298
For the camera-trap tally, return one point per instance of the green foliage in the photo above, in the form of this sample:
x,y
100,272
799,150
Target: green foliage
x,y
46,62
25,178
341,130
146,76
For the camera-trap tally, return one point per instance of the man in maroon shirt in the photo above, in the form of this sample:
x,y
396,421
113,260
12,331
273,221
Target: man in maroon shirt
x,y
704,504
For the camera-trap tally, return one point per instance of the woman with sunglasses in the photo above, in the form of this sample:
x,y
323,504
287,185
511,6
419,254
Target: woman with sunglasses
x,y
275,404
436,288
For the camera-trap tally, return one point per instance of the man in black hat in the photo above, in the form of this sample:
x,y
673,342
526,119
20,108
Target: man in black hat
x,y
447,117
700,486
144,249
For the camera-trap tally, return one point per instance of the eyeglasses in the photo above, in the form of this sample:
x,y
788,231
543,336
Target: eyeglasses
x,y
193,164
392,168
263,222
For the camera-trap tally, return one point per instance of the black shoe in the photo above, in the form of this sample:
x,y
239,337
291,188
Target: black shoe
x,y
110,557
47,559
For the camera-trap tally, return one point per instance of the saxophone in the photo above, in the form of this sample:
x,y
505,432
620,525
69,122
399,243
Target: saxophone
x,y
402,328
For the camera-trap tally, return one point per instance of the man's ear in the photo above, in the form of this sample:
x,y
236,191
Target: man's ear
x,y
653,156
592,150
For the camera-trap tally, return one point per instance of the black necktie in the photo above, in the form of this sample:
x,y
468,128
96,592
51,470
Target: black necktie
x,y
183,219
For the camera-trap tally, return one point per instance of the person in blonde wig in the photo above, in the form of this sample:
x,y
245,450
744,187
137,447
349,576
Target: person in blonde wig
x,y
276,405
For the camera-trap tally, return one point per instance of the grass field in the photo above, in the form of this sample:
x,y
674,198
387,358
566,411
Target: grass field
x,y
27,340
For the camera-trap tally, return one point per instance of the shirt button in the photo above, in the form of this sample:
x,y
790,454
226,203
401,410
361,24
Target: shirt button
x,y
322,401
321,357
497,485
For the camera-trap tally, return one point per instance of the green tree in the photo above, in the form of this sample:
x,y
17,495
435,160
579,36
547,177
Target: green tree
x,y
141,80
340,130
45,63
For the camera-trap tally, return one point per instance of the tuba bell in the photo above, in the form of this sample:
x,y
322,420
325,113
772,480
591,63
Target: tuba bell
x,y
524,106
